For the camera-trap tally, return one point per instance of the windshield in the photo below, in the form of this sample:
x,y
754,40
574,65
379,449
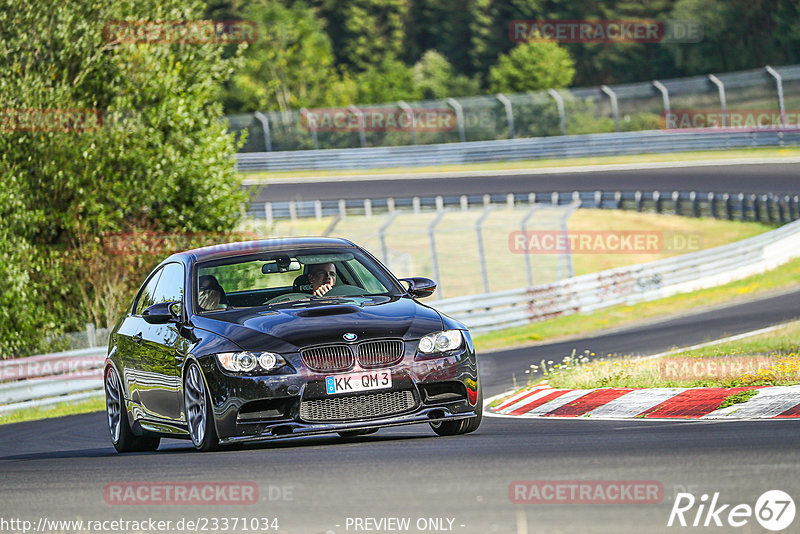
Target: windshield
x,y
289,277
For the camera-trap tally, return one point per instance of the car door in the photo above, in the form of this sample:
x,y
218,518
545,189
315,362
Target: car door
x,y
163,348
130,337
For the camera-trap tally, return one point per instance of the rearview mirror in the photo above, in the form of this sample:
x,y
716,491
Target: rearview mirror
x,y
419,287
281,265
162,313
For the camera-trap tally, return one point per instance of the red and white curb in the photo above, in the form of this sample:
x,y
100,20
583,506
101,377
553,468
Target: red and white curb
x,y
772,402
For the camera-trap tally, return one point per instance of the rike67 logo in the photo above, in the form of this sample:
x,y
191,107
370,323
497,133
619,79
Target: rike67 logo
x,y
774,510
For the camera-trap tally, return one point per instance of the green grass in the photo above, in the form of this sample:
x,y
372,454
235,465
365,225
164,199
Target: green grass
x,y
58,410
738,398
537,164
768,359
456,243
785,277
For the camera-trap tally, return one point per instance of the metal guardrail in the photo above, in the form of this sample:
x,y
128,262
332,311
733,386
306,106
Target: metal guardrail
x,y
610,144
50,379
732,206
627,285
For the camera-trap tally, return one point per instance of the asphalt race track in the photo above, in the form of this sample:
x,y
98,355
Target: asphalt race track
x,y
765,178
63,469
58,469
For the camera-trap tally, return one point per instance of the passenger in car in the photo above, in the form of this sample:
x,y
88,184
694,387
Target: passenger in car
x,y
322,277
211,293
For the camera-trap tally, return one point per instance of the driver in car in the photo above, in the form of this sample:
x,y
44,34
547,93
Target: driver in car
x,y
322,277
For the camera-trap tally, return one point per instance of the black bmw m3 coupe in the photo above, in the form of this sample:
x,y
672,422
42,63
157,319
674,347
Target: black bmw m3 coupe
x,y
270,339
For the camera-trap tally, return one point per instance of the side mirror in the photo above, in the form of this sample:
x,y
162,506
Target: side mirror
x,y
162,313
419,287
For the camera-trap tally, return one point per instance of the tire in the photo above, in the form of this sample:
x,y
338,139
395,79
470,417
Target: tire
x,y
462,426
197,407
355,433
122,437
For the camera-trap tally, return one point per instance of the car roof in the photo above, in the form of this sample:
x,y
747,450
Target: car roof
x,y
242,248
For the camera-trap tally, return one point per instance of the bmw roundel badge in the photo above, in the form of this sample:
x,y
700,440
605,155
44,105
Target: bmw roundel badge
x,y
350,336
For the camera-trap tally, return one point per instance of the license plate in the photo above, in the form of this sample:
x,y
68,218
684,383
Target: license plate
x,y
353,382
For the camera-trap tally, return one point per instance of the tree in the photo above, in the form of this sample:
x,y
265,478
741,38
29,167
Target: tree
x,y
290,66
532,66
434,78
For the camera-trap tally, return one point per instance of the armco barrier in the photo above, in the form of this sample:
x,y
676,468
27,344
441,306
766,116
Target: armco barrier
x,y
51,378
627,285
609,144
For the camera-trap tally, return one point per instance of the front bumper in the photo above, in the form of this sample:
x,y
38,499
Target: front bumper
x,y
277,398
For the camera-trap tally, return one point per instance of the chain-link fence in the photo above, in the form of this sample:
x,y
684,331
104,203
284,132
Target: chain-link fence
x,y
629,107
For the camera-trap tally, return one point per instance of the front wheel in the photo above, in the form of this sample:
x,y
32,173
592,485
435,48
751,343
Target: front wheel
x,y
199,416
122,437
462,426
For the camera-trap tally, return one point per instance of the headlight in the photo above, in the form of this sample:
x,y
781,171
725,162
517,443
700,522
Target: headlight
x,y
246,362
441,341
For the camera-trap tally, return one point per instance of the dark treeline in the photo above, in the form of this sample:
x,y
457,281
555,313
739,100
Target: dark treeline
x,y
337,52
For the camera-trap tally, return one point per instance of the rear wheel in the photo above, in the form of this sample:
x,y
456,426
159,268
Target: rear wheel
x,y
199,417
122,437
462,426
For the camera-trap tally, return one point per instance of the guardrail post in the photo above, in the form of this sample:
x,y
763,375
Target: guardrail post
x,y
723,102
382,238
415,204
459,117
554,198
693,200
566,258
317,209
509,113
524,227
794,208
742,215
292,210
638,198
368,208
598,199
728,206
487,200
664,96
531,198
439,203
361,132
779,85
781,201
390,204
268,213
562,116
676,200
342,208
265,128
91,335
402,104
756,207
618,199
434,256
657,201
481,251
312,126
464,201
510,201
614,108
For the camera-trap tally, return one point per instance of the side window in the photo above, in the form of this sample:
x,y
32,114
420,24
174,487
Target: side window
x,y
146,296
170,285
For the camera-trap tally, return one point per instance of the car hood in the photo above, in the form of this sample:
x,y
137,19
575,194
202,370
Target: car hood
x,y
289,327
